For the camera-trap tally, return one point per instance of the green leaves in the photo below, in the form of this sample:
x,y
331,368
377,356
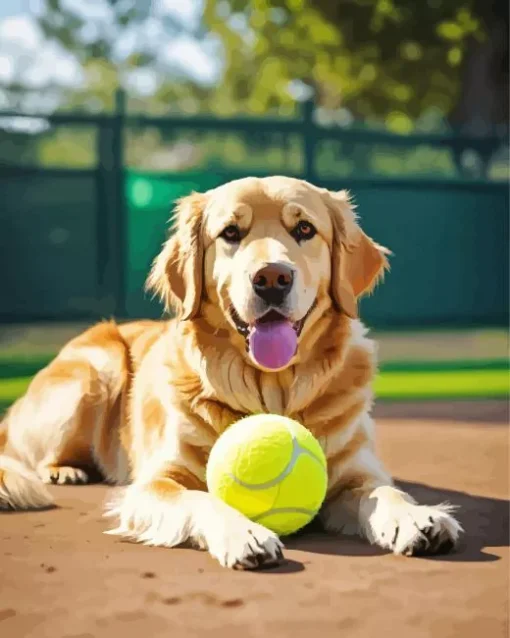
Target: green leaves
x,y
461,27
393,59
450,31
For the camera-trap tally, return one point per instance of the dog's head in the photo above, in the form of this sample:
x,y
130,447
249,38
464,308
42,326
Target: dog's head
x,y
260,256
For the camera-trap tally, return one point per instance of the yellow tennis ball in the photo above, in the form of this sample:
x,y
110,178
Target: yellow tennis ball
x,y
270,468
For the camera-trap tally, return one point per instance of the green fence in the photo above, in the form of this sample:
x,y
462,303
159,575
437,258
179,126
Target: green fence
x,y
77,242
450,244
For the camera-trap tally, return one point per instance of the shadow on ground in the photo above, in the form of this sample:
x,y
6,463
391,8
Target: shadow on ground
x,y
485,522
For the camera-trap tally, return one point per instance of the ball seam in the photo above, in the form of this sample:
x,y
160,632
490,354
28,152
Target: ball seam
x,y
297,450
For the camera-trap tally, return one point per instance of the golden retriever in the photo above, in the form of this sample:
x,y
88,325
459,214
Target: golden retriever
x,y
264,276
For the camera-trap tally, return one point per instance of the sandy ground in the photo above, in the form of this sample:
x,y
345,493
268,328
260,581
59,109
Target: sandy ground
x,y
61,577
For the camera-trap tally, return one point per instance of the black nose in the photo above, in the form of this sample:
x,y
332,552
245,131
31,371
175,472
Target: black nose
x,y
273,283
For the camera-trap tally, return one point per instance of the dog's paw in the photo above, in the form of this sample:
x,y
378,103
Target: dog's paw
x,y
417,530
195,518
245,545
63,475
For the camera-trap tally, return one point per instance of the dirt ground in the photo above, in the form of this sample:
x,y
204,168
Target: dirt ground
x,y
60,577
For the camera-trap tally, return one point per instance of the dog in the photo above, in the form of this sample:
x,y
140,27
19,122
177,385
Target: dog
x,y
144,402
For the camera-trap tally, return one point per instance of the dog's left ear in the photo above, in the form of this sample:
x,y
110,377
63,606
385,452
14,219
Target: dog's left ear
x,y
357,262
177,272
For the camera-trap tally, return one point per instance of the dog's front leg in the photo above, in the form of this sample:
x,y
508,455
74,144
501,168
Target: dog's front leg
x,y
167,503
163,512
363,500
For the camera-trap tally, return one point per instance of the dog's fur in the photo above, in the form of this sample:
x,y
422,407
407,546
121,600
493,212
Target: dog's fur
x,y
145,401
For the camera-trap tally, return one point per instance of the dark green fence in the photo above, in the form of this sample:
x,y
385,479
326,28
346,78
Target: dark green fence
x,y
450,244
77,243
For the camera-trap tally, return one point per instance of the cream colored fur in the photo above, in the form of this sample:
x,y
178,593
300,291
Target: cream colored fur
x,y
144,402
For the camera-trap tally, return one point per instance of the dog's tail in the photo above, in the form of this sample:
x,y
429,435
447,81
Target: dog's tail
x,y
20,487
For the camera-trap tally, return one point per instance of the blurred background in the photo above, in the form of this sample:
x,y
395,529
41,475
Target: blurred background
x,y
111,109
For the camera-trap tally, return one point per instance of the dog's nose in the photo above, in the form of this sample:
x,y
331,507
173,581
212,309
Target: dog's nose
x,y
273,283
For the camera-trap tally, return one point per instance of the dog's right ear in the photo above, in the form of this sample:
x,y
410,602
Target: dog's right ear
x,y
357,261
177,272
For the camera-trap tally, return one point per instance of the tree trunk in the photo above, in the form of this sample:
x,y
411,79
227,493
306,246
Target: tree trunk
x,y
482,107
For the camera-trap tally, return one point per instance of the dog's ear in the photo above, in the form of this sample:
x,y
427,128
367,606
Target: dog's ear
x,y
177,272
357,262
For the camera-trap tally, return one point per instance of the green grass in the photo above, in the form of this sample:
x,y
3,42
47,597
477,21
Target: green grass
x,y
448,384
11,389
395,385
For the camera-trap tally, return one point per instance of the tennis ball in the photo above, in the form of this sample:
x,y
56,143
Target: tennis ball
x,y
270,468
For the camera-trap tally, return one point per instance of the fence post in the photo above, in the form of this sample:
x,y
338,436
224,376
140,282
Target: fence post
x,y
309,139
119,217
111,211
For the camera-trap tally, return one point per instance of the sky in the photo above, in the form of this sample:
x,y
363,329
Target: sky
x,y
24,53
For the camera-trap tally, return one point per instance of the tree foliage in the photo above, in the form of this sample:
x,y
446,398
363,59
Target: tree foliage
x,y
113,39
391,59
379,60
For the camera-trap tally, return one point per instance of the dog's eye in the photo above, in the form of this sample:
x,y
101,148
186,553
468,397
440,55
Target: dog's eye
x,y
231,234
303,231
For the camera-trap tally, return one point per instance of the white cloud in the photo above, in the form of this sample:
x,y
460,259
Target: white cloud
x,y
6,69
144,81
28,58
20,31
91,9
153,29
191,57
188,11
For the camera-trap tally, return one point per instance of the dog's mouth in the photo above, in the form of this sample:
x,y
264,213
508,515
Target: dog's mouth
x,y
271,340
269,318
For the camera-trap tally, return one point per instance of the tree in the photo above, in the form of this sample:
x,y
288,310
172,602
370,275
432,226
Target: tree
x,y
391,59
397,61
113,40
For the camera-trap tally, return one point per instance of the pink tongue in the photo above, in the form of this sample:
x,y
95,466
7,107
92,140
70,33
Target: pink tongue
x,y
273,344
